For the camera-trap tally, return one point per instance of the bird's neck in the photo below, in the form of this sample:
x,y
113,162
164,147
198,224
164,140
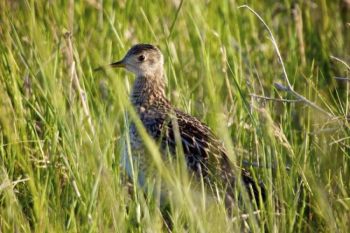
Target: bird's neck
x,y
148,90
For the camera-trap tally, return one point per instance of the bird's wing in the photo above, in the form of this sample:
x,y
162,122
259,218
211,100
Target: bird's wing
x,y
201,148
209,155
204,152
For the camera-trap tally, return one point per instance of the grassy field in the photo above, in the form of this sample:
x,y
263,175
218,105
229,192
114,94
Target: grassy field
x,y
61,123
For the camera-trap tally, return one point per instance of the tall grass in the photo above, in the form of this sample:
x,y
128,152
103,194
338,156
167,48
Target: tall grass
x,y
62,125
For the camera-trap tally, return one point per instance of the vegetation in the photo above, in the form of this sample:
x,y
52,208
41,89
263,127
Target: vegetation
x,y
62,124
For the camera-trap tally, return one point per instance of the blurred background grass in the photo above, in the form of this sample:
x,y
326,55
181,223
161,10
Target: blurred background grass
x,y
61,123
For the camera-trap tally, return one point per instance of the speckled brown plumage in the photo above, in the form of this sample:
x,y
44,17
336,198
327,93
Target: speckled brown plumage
x,y
205,155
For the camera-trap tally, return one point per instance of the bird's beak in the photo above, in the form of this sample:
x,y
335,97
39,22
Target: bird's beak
x,y
118,64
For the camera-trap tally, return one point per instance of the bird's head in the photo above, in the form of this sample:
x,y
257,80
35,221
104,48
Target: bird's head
x,y
143,60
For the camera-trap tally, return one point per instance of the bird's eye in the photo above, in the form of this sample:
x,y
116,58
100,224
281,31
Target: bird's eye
x,y
141,58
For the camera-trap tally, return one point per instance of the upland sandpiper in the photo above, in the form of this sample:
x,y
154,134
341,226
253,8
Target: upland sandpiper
x,y
205,155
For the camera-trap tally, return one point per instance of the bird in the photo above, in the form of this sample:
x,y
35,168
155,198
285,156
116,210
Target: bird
x,y
205,155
